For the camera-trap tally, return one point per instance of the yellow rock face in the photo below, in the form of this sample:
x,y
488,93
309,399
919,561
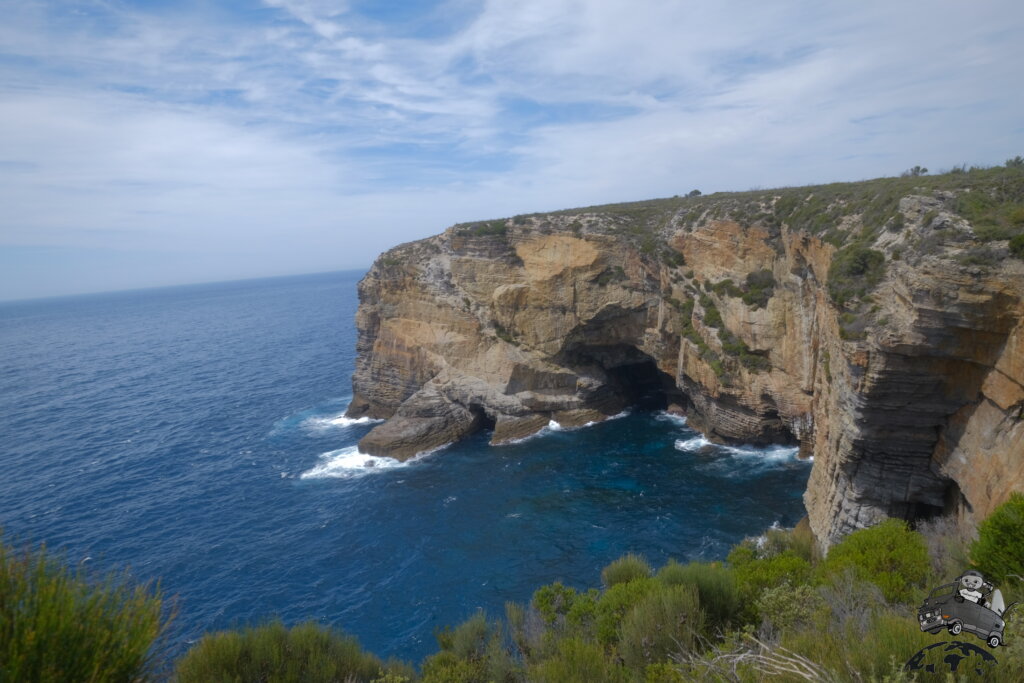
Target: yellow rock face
x,y
910,401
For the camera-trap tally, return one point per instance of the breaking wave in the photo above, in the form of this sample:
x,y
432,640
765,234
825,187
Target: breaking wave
x,y
695,443
336,422
663,416
346,463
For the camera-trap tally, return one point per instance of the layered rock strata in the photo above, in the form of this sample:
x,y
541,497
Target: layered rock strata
x,y
907,386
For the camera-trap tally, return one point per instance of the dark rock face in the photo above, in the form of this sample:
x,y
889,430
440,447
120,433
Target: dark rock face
x,y
909,398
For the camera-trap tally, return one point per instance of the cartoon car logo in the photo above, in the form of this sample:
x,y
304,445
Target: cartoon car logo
x,y
946,607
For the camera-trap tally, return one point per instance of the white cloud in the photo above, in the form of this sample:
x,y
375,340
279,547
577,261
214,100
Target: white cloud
x,y
309,129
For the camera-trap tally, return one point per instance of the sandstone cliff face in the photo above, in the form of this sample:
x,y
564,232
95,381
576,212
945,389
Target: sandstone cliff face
x,y
885,336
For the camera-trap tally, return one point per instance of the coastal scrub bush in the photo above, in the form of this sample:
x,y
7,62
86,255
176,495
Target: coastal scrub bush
x,y
855,270
716,588
1017,246
304,653
473,651
759,287
799,539
490,228
712,317
786,607
889,555
999,550
874,653
727,287
615,603
553,602
578,661
627,568
59,624
667,621
754,575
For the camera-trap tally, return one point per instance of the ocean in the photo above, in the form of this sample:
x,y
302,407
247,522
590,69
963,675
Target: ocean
x,y
195,435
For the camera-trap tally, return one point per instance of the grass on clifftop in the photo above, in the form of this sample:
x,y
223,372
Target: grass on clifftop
x,y
992,199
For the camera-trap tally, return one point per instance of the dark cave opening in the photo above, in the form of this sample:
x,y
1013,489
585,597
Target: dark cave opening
x,y
481,418
631,378
917,512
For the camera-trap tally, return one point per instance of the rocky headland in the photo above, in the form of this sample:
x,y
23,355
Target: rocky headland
x,y
876,324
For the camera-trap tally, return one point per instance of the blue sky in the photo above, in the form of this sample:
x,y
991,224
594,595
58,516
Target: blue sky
x,y
152,143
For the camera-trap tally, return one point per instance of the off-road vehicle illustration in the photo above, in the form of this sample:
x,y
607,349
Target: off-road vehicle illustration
x,y
968,604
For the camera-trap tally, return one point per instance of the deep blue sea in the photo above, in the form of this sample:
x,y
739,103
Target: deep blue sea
x,y
194,434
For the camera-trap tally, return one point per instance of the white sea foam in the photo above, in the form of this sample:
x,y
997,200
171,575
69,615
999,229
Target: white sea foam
x,y
662,416
336,422
759,541
774,453
692,444
349,462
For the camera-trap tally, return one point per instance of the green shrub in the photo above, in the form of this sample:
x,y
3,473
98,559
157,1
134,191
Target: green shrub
x,y
627,568
445,667
1017,246
469,639
553,602
664,672
307,652
716,588
787,607
755,575
759,287
582,616
577,661
673,258
489,229
473,651
613,605
981,255
854,271
667,621
727,287
712,317
999,550
58,624
889,555
875,653
611,275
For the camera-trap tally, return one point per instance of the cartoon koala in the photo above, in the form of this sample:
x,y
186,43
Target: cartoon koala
x,y
970,583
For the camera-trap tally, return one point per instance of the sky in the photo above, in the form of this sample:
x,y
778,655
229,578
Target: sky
x,y
176,141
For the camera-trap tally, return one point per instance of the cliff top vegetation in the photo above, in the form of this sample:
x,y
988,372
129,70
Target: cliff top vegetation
x,y
990,198
775,610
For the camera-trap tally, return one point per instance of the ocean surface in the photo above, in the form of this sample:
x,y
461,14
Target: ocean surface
x,y
196,435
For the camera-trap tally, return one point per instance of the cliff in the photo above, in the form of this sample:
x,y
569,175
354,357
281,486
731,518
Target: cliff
x,y
876,324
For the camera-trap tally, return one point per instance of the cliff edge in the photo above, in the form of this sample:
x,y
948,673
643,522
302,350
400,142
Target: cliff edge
x,y
877,324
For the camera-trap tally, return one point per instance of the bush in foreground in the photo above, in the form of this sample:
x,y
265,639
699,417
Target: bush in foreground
x,y
59,624
889,555
306,653
666,622
625,569
716,588
999,550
